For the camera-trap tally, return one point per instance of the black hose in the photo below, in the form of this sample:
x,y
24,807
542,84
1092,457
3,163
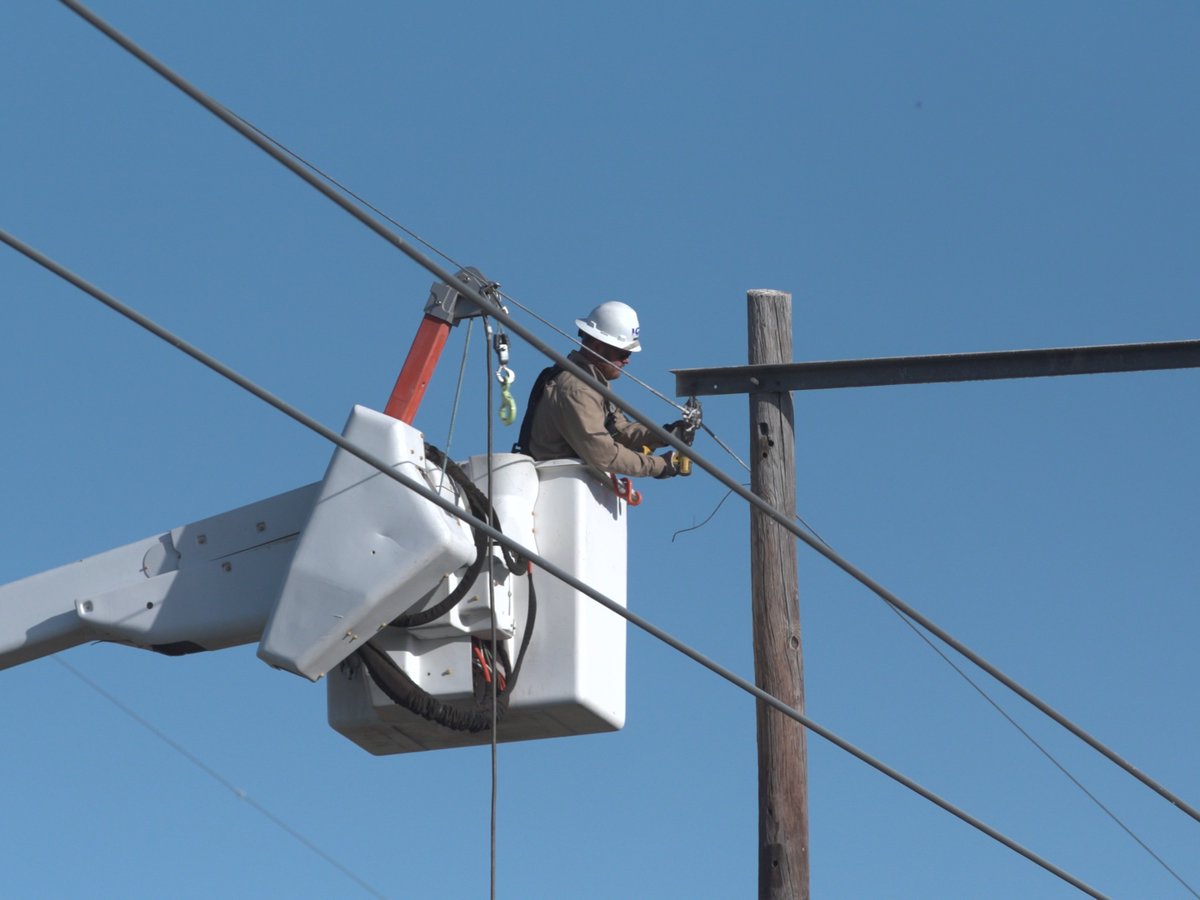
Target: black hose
x,y
396,683
402,690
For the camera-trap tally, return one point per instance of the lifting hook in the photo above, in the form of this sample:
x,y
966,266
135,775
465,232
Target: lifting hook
x,y
625,490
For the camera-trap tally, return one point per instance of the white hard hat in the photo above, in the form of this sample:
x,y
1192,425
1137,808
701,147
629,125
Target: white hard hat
x,y
613,323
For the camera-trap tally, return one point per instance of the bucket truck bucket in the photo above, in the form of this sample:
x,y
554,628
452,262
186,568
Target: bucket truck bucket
x,y
573,680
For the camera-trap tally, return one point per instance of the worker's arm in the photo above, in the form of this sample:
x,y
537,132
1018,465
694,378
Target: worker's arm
x,y
579,413
634,435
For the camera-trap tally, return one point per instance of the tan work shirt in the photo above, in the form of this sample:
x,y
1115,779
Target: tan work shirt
x,y
574,421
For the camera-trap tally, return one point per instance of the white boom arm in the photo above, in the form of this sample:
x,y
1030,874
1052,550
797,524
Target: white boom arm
x,y
316,573
204,586
313,572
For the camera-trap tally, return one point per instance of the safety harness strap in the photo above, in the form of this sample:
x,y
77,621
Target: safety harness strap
x,y
535,397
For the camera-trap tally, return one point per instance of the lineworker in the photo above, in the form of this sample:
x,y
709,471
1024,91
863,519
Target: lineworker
x,y
566,418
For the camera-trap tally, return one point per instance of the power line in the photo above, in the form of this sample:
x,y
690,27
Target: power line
x,y
503,294
450,259
489,307
629,375
344,189
219,778
546,565
443,254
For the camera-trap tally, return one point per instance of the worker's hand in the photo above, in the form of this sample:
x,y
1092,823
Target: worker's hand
x,y
683,430
670,471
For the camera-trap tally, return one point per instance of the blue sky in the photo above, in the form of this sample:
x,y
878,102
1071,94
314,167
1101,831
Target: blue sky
x,y
925,178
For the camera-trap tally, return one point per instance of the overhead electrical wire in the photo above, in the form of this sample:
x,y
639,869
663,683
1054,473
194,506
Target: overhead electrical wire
x,y
219,778
432,248
630,376
546,565
359,198
716,438
519,331
489,307
528,310
344,189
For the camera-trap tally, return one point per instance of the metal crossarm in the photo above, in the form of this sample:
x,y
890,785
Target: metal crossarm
x,y
811,376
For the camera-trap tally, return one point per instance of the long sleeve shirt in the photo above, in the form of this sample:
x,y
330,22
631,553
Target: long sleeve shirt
x,y
573,420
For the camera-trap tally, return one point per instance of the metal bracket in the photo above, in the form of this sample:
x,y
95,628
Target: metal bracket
x,y
443,298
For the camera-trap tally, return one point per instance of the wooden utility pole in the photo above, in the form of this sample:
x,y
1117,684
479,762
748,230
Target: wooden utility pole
x,y
778,660
778,663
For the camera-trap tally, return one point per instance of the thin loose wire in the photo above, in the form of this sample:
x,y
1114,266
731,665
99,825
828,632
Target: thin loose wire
x,y
341,187
728,494
1058,765
487,374
537,559
219,778
462,370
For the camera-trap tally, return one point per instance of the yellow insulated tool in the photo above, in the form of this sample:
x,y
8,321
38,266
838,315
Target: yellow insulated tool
x,y
686,430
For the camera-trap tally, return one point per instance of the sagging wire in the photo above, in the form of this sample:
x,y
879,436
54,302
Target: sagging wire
x,y
546,565
728,494
721,503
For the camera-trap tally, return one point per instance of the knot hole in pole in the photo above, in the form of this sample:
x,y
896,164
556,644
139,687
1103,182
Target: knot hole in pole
x,y
766,441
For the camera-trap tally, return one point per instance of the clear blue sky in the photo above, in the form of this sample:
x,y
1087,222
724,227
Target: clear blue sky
x,y
924,178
